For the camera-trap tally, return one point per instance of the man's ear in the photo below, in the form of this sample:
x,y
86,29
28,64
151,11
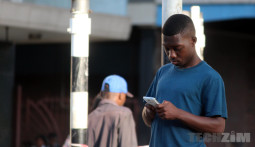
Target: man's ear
x,y
123,98
194,40
119,96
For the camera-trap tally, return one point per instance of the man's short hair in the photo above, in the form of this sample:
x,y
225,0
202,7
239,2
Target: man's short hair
x,y
176,24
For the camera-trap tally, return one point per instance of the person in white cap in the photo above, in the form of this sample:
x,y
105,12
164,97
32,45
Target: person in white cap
x,y
111,124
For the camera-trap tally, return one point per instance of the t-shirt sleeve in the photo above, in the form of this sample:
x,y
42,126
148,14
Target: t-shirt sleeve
x,y
214,98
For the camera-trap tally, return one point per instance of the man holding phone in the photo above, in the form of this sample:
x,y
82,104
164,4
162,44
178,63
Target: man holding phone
x,y
190,92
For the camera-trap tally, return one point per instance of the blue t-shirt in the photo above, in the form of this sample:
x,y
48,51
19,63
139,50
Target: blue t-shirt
x,y
198,90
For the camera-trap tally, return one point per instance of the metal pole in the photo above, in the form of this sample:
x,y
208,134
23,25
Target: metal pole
x,y
169,7
80,27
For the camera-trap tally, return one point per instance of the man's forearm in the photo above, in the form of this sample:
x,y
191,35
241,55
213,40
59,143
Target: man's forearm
x,y
146,119
201,123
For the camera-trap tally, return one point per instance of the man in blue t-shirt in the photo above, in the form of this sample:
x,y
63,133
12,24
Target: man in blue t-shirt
x,y
190,92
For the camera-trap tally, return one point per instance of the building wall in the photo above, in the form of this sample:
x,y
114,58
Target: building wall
x,y
43,73
230,50
7,76
52,3
114,7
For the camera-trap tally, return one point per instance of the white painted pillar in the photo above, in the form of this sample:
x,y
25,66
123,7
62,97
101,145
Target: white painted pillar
x,y
80,29
169,7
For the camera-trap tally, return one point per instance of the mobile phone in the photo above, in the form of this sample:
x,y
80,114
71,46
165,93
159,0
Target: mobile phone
x,y
151,100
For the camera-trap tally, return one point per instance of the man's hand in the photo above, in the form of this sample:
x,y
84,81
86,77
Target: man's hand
x,y
167,110
148,114
150,111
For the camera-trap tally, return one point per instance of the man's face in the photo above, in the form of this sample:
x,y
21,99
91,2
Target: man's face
x,y
180,49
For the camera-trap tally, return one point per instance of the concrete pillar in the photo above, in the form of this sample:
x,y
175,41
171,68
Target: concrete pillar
x,y
169,7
